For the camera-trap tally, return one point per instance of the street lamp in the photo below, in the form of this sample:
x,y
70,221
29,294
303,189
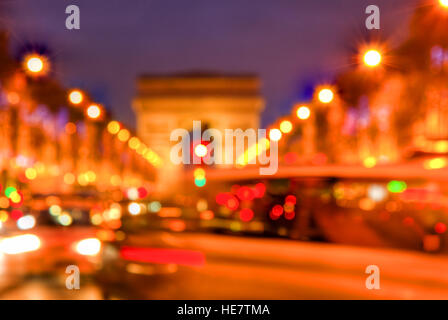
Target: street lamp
x,y
303,112
123,135
75,97
372,58
94,112
113,127
36,64
325,95
275,135
286,126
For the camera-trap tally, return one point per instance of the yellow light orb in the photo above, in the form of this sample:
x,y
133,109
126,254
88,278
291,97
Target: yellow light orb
x,y
83,180
123,135
93,111
113,127
134,143
444,3
369,162
326,95
303,112
200,150
286,126
65,219
436,163
31,173
90,176
199,173
275,135
372,58
75,97
15,197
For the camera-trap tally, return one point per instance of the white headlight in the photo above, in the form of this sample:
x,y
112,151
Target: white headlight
x,y
20,244
26,222
89,247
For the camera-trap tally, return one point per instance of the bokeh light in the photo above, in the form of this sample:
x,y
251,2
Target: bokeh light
x,y
94,111
113,127
372,58
286,126
200,150
36,64
326,95
303,112
275,134
75,97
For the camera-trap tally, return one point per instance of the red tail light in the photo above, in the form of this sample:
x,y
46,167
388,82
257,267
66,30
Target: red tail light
x,y
162,256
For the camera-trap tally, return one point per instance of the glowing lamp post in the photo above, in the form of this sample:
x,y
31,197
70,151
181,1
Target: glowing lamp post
x,y
286,126
75,97
94,112
303,112
372,58
36,64
325,95
275,134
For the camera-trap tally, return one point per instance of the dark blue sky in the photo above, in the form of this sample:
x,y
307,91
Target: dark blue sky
x,y
288,43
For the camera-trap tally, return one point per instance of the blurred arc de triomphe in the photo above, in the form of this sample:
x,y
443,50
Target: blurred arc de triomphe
x,y
167,102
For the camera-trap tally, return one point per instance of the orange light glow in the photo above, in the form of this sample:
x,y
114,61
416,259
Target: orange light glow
x,y
70,128
113,127
123,135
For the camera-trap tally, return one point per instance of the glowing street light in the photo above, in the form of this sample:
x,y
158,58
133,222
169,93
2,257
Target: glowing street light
x,y
372,58
275,135
93,111
200,150
325,95
303,112
75,97
124,135
113,127
444,3
36,64
286,126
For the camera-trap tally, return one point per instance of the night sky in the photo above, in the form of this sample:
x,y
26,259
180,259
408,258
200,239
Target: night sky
x,y
290,44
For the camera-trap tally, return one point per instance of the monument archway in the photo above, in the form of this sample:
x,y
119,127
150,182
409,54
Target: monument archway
x,y
168,102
